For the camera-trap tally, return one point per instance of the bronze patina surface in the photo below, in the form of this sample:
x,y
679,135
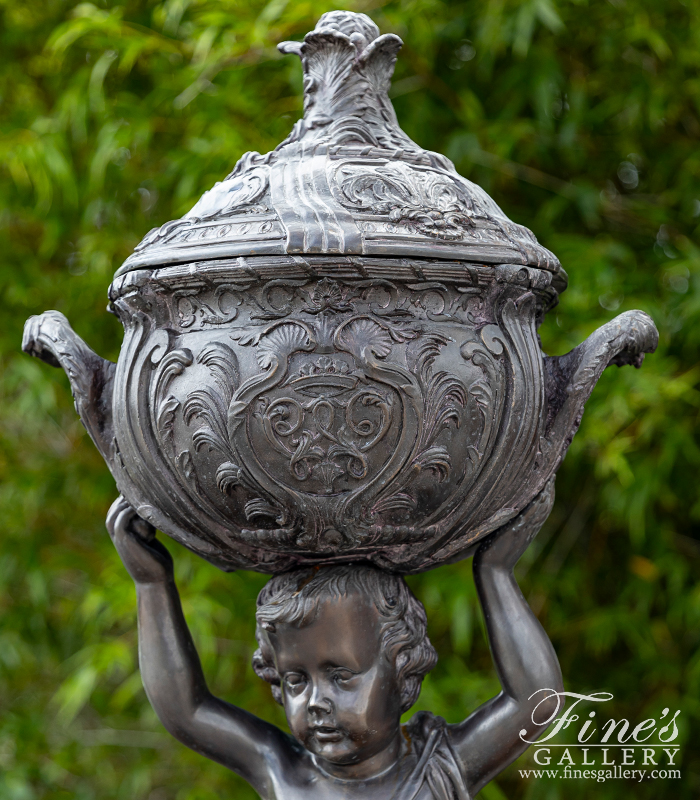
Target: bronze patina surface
x,y
331,372
334,354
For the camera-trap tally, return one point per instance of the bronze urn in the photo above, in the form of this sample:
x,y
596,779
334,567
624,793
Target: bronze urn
x,y
333,357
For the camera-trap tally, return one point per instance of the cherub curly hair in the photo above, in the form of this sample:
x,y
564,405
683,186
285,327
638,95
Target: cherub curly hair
x,y
294,597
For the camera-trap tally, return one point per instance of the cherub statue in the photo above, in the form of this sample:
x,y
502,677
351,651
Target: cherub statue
x,y
345,650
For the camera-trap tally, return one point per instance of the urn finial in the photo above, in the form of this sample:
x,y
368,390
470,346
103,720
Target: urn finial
x,y
347,74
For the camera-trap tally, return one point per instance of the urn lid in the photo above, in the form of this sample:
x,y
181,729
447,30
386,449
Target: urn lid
x,y
347,180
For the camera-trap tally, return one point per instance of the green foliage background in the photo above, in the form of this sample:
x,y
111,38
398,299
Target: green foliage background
x,y
580,117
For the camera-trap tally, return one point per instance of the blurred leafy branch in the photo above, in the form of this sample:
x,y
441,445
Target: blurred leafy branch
x,y
580,117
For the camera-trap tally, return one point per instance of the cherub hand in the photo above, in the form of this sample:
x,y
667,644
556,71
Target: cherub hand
x,y
145,558
504,547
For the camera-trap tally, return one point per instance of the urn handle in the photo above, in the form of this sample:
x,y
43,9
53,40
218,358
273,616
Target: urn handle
x,y
570,379
50,337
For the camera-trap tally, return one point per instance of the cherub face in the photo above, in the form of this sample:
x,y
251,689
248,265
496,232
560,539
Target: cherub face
x,y
340,691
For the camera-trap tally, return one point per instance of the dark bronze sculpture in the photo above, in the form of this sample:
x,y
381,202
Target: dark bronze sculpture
x,y
345,649
331,372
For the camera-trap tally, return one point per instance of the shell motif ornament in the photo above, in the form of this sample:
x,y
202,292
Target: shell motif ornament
x,y
334,356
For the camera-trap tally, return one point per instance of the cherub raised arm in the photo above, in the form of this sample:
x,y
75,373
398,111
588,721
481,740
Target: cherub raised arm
x,y
345,650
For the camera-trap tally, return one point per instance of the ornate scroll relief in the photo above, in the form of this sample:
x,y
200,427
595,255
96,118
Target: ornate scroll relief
x,y
342,418
340,422
191,311
204,413
444,399
308,426
330,435
239,194
338,416
235,195
429,201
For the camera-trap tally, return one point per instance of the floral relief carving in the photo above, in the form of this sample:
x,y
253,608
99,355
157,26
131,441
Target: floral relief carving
x,y
326,295
190,309
431,202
